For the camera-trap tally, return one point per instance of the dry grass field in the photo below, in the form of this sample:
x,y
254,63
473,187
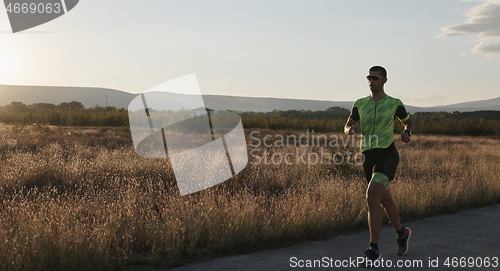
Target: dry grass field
x,y
81,199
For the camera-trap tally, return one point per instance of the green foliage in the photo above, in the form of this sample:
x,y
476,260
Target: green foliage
x,y
486,122
64,114
330,120
330,113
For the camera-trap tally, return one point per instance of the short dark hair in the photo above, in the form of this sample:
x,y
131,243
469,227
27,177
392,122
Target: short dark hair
x,y
380,69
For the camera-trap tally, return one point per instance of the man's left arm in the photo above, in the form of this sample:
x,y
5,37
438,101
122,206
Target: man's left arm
x,y
404,117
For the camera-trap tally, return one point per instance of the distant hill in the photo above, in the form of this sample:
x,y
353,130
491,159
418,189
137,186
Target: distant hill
x,y
91,97
268,104
490,104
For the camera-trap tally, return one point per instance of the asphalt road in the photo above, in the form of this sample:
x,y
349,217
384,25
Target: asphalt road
x,y
473,235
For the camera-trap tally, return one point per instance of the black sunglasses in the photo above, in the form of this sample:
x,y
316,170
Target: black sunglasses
x,y
374,77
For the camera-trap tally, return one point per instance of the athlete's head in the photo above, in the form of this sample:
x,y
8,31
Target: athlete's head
x,y
377,76
380,69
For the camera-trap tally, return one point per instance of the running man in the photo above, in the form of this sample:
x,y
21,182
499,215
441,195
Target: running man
x,y
375,116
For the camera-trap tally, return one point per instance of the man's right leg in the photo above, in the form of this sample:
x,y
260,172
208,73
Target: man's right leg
x,y
374,195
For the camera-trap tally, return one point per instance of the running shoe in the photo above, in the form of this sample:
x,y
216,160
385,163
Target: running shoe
x,y
403,242
371,255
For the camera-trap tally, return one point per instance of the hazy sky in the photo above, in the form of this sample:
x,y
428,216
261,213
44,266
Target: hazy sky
x,y
435,51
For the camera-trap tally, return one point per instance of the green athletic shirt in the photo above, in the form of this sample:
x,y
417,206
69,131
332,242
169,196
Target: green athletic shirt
x,y
376,120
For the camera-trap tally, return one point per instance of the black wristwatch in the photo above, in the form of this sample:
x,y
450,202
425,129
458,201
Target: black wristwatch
x,y
409,133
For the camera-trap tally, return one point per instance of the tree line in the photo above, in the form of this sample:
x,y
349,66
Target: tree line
x,y
64,114
486,122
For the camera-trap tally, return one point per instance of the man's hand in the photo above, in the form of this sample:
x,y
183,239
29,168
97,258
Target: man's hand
x,y
409,127
405,137
353,129
350,126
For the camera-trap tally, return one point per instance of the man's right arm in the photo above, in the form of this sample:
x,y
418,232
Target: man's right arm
x,y
352,121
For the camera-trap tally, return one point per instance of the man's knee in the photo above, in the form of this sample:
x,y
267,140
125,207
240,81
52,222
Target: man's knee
x,y
374,193
387,201
373,201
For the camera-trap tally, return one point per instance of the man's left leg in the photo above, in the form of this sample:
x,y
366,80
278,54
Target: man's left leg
x,y
391,209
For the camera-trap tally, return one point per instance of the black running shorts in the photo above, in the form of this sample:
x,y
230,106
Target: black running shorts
x,y
380,160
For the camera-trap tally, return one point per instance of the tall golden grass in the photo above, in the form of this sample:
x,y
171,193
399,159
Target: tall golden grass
x,y
81,199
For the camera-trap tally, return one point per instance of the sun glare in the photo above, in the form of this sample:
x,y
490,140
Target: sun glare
x,y
5,65
9,64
